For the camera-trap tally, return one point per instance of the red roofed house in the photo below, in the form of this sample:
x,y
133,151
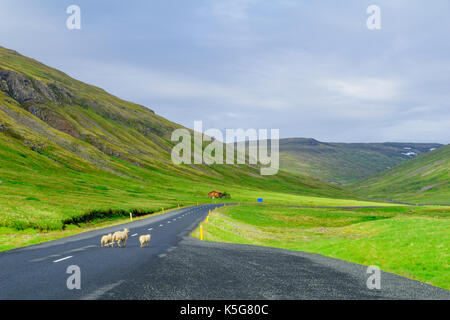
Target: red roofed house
x,y
215,194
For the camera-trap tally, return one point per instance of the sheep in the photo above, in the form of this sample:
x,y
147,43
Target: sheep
x,y
117,236
106,240
145,240
121,237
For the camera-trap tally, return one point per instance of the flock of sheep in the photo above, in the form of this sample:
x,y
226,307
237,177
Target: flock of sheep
x,y
121,238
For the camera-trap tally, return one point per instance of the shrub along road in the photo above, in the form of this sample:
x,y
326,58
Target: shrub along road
x,y
176,266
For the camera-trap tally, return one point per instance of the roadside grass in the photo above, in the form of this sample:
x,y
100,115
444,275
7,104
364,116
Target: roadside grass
x,y
413,242
11,238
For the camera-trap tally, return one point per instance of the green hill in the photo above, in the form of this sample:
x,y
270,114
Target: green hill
x,y
344,163
424,179
71,150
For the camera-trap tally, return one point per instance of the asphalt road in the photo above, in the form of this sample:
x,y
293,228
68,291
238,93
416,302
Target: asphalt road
x,y
176,266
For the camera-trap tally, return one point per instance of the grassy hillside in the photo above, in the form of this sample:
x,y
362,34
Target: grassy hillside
x,y
70,151
414,243
345,162
425,179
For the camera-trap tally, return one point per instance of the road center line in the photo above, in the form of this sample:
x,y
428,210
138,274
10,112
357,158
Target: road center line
x,y
134,235
63,259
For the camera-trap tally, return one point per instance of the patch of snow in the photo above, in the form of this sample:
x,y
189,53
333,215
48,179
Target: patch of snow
x,y
407,148
432,149
409,153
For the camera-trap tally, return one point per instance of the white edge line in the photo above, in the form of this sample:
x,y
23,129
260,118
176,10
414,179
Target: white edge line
x,y
63,259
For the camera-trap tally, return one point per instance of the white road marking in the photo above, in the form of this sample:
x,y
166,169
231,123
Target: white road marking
x,y
162,255
160,225
81,249
100,292
63,259
45,258
150,229
134,235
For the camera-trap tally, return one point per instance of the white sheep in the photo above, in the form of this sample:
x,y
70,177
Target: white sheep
x,y
121,237
107,240
145,240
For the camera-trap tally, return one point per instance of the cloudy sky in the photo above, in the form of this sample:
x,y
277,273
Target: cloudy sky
x,y
308,68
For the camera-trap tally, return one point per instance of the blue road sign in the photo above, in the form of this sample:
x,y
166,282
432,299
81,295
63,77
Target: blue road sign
x,y
260,200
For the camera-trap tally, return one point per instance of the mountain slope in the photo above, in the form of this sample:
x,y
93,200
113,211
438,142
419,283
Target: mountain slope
x,y
68,149
425,179
343,163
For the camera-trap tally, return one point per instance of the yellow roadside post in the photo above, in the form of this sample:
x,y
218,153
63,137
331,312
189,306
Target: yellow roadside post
x,y
162,210
201,232
131,216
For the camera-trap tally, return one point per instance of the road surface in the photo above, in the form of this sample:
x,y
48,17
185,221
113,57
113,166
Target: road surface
x,y
176,266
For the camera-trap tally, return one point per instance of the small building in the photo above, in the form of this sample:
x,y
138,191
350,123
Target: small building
x,y
218,194
215,194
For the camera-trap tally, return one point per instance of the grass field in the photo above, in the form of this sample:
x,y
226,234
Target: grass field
x,y
425,179
410,241
35,217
